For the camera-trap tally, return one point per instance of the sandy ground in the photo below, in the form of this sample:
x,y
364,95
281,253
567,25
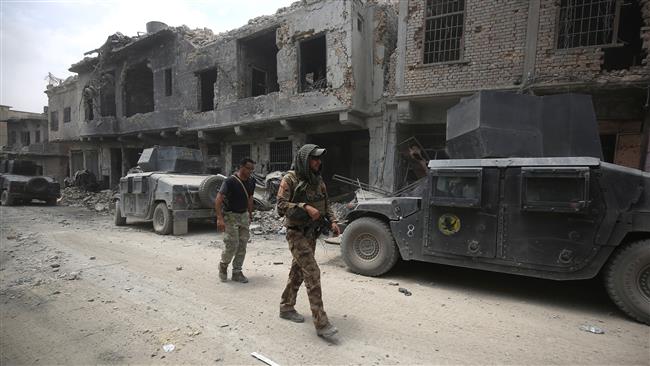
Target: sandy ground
x,y
77,290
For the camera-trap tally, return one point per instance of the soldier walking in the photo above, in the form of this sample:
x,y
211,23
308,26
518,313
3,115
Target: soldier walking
x,y
302,199
234,207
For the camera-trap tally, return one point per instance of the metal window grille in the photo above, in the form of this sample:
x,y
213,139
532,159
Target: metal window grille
x,y
239,152
584,23
443,35
54,121
281,155
66,114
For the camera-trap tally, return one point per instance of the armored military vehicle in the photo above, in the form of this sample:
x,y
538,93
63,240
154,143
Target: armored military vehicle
x,y
169,188
525,192
21,182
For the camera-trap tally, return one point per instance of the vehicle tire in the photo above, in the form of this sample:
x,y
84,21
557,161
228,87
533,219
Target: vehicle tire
x,y
36,185
627,279
368,247
6,199
162,219
51,201
208,190
119,219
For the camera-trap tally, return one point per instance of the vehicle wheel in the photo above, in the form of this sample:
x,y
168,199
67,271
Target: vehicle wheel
x,y
51,201
627,279
6,199
119,219
368,247
208,190
162,219
36,185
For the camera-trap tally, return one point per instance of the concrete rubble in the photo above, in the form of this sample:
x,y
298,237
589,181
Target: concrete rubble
x,y
95,201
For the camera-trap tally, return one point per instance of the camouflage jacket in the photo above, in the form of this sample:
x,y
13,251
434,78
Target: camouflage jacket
x,y
294,194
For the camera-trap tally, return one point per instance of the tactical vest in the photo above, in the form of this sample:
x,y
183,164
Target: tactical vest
x,y
313,195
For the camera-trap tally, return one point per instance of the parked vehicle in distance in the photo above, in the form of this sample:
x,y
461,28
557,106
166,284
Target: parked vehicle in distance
x,y
540,211
169,188
21,182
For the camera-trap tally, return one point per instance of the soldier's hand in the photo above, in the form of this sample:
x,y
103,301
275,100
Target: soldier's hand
x,y
336,231
313,213
221,225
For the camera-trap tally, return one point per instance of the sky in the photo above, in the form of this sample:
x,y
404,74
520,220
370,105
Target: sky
x,y
38,37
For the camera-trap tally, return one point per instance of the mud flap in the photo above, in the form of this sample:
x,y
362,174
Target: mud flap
x,y
180,226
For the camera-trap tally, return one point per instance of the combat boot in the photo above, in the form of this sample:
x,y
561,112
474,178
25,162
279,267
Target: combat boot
x,y
223,272
327,331
292,315
237,276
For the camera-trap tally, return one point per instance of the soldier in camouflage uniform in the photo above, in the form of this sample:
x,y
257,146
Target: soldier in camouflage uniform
x,y
302,199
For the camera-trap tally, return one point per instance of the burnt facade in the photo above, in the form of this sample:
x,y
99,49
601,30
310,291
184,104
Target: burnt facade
x,y
448,49
313,72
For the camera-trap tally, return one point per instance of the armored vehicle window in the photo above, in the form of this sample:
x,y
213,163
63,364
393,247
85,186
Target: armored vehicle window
x,y
555,190
457,187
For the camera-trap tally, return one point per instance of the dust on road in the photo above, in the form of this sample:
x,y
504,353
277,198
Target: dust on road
x,y
77,290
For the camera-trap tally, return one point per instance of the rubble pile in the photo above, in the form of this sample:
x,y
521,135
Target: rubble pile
x,y
269,222
96,201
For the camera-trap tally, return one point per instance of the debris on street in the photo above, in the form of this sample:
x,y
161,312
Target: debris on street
x,y
592,329
405,291
95,201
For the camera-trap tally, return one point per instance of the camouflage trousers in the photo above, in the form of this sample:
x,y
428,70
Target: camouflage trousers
x,y
235,238
304,268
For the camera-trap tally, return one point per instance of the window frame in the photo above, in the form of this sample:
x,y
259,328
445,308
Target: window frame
x,y
461,51
447,201
557,173
615,26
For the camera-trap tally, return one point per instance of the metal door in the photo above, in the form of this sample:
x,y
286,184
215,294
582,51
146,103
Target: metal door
x,y
462,216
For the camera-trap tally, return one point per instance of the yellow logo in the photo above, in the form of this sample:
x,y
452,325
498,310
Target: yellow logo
x,y
449,224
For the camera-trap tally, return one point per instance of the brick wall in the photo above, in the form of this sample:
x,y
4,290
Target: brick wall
x,y
495,33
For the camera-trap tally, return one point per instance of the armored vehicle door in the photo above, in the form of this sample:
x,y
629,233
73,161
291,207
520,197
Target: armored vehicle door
x,y
462,214
136,195
550,217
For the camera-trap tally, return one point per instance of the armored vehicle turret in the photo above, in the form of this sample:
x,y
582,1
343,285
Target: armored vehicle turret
x,y
526,192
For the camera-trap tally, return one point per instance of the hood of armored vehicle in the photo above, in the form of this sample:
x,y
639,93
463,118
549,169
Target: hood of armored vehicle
x,y
180,179
25,178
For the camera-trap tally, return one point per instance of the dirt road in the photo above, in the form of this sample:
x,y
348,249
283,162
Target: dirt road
x,y
77,290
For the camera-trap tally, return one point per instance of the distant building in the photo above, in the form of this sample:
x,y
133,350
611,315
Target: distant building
x,y
24,136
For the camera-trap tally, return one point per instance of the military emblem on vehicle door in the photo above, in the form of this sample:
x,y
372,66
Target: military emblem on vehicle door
x,y
449,224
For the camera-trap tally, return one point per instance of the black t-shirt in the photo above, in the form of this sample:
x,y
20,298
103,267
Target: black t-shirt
x,y
235,198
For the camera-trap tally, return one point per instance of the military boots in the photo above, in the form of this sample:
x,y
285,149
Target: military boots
x,y
223,272
237,276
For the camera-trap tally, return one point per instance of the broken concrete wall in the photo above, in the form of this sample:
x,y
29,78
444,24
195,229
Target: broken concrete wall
x,y
554,65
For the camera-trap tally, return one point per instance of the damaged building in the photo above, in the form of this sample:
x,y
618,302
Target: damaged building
x,y
24,136
449,49
358,77
313,72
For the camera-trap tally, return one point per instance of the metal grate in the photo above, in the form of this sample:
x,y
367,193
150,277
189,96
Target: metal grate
x,y
281,155
239,152
443,36
584,23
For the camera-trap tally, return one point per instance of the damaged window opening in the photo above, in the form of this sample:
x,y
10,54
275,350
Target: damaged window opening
x,y
281,155
54,121
66,115
24,138
630,53
313,64
584,23
89,114
443,35
107,95
12,138
259,55
207,79
239,152
37,136
138,90
168,82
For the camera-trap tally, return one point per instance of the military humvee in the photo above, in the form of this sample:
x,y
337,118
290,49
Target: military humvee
x,y
514,198
21,182
170,188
